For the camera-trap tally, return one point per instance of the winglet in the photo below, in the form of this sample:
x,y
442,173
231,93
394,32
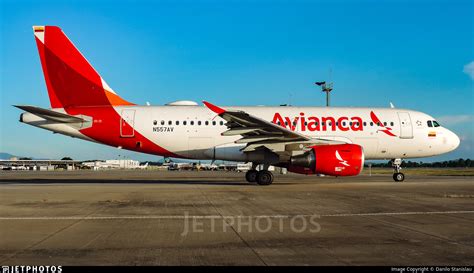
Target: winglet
x,y
214,108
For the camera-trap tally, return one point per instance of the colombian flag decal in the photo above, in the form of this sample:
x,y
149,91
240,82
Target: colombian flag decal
x,y
38,28
432,134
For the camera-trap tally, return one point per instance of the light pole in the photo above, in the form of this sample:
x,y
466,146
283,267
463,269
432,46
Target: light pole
x,y
326,87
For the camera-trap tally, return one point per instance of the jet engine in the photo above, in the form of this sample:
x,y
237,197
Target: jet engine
x,y
335,160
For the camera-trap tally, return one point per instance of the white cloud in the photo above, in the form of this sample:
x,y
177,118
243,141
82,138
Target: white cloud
x,y
455,119
469,69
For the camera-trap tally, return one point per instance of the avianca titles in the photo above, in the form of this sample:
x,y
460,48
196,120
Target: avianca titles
x,y
308,140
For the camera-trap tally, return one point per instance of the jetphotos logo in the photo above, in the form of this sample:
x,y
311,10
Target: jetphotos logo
x,y
312,123
32,269
377,121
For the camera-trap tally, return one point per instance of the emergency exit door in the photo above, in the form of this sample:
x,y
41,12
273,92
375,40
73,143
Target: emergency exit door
x,y
406,129
127,123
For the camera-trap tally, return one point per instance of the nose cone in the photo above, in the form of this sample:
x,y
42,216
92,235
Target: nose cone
x,y
453,141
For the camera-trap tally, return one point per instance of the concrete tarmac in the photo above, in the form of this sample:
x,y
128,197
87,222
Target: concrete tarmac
x,y
216,218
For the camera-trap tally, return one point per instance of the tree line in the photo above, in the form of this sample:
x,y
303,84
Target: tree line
x,y
456,163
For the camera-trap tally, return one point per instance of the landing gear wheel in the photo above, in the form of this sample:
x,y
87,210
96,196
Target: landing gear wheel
x,y
398,177
251,176
264,178
397,166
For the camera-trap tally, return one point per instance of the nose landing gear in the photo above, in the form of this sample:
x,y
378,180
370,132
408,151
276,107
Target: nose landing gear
x,y
397,175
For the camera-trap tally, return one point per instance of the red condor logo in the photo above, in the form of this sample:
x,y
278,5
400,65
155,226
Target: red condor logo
x,y
319,124
377,121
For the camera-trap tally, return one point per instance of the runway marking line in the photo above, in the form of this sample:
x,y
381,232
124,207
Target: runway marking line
x,y
170,217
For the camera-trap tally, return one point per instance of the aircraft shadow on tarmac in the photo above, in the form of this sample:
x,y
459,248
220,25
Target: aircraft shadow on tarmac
x,y
132,181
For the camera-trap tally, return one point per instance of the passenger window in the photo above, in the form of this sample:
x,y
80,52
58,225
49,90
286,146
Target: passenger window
x,y
192,122
170,122
371,123
177,122
391,123
207,122
222,123
155,122
430,124
343,123
435,123
162,122
365,123
385,124
199,122
184,122
214,122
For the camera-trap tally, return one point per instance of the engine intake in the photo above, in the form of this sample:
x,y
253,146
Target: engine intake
x,y
306,160
335,160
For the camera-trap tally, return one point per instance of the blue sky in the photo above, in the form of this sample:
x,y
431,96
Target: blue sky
x,y
416,54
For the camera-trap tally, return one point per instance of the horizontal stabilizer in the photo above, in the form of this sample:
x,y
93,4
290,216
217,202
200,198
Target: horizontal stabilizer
x,y
50,114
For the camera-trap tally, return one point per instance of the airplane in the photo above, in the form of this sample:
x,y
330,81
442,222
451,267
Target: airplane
x,y
332,141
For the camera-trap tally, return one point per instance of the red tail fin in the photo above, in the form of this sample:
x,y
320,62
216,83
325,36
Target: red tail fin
x,y
70,79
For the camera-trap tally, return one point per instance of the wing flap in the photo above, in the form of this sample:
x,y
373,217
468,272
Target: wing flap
x,y
241,131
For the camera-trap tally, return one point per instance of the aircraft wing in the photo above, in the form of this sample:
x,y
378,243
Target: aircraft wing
x,y
50,114
257,132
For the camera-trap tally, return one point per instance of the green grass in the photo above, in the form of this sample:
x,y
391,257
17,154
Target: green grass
x,y
425,171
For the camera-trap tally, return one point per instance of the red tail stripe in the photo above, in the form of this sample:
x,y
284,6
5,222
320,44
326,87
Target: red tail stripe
x,y
70,79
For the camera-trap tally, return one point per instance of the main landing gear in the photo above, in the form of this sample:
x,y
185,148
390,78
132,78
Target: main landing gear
x,y
397,175
251,176
263,177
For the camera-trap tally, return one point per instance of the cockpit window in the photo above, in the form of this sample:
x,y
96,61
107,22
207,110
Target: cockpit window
x,y
433,123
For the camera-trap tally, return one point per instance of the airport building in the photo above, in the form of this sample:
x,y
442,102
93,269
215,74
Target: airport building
x,y
115,164
39,165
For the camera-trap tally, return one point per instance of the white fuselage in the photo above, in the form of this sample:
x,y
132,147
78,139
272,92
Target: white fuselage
x,y
195,131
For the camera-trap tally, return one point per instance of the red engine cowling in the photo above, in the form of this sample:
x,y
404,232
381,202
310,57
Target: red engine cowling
x,y
335,160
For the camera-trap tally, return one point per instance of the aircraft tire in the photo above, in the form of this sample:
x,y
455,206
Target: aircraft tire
x,y
398,177
251,176
264,178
